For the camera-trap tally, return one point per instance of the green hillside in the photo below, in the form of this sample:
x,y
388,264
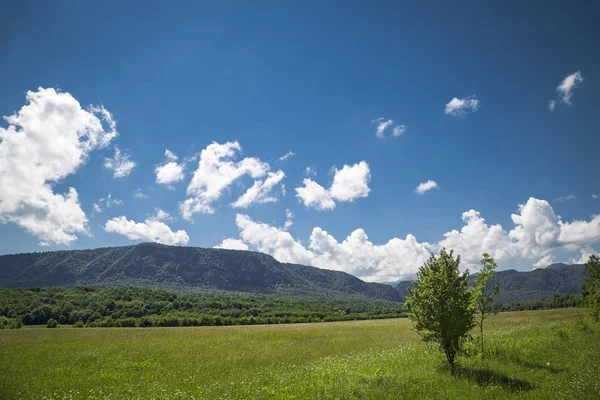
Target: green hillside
x,y
182,269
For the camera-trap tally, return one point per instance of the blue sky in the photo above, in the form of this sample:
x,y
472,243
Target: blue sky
x,y
313,79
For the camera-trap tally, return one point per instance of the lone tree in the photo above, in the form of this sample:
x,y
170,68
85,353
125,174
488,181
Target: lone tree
x,y
482,295
440,304
591,288
52,323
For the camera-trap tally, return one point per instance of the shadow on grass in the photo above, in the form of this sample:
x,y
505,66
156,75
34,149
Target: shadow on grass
x,y
485,377
532,365
528,364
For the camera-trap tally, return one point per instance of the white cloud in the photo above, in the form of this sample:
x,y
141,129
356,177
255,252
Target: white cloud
x,y
580,233
460,107
309,172
286,156
382,125
543,262
476,237
47,140
595,196
120,164
170,155
565,89
161,215
584,256
426,186
565,198
217,171
399,130
289,220
232,244
537,229
360,257
314,195
356,255
349,183
260,191
152,229
538,233
106,202
551,104
170,171
268,239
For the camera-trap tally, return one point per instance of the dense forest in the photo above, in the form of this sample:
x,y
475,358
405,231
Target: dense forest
x,y
139,307
120,307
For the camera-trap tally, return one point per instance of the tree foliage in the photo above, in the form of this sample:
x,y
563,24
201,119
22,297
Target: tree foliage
x,y
440,303
52,323
591,287
130,306
483,295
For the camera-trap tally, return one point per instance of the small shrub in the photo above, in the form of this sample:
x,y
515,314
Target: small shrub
x,y
52,323
78,324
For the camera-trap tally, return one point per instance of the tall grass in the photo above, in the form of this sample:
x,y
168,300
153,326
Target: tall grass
x,y
538,354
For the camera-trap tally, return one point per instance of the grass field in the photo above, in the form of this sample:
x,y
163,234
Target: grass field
x,y
534,354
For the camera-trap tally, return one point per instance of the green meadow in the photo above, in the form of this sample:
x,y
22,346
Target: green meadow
x,y
548,354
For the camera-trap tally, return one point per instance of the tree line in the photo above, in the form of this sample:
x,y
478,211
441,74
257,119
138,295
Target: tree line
x,y
141,307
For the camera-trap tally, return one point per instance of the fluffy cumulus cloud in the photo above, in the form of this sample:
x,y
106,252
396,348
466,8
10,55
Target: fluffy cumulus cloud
x,y
120,164
476,237
260,191
584,256
579,233
271,240
313,195
349,183
424,187
383,124
47,140
537,234
169,171
565,88
153,229
216,172
460,107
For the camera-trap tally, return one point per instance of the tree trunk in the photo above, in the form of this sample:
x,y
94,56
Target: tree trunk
x,y
481,332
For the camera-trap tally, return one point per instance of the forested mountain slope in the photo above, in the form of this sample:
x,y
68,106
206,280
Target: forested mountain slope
x,y
183,268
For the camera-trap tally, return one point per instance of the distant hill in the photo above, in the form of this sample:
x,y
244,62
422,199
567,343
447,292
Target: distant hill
x,y
541,283
181,268
194,269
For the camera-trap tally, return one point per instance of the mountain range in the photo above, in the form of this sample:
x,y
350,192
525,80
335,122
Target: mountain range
x,y
193,269
518,286
183,269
